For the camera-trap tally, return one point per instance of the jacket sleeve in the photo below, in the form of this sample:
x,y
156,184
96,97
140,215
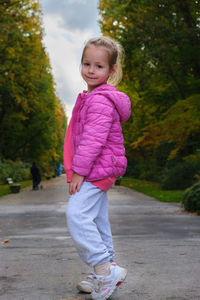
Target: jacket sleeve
x,y
96,129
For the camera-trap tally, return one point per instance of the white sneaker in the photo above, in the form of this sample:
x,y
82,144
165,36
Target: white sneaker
x,y
105,286
86,286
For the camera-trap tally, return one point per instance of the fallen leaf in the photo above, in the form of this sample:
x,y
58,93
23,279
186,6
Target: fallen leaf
x,y
5,242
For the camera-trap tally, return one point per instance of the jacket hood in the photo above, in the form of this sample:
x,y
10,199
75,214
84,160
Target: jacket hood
x,y
120,100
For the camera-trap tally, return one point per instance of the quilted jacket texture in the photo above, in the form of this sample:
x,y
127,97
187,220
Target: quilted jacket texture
x,y
97,140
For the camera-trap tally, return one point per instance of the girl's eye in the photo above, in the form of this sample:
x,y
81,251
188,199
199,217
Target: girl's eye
x,y
99,66
85,64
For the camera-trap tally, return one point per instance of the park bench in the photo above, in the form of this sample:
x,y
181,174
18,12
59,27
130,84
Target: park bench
x,y
14,187
10,180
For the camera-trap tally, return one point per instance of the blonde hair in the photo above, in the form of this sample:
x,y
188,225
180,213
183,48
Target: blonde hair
x,y
115,52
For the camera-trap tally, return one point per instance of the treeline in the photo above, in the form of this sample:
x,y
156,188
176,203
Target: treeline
x,y
162,77
32,118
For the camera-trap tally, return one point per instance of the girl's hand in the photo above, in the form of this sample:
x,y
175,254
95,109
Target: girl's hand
x,y
75,183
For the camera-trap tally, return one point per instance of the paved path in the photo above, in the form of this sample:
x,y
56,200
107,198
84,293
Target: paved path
x,y
157,242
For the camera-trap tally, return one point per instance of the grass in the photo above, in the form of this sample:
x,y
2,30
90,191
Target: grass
x,y
5,188
152,189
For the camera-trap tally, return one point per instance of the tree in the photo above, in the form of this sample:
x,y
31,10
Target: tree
x,y
30,126
161,70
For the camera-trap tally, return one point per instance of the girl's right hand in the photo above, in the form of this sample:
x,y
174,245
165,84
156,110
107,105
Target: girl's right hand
x,y
75,183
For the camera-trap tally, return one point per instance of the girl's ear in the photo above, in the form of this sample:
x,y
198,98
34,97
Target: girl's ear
x,y
113,70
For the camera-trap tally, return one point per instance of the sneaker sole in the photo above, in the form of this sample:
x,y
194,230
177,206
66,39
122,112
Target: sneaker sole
x,y
84,289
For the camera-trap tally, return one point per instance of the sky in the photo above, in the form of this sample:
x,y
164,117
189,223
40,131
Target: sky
x,y
68,24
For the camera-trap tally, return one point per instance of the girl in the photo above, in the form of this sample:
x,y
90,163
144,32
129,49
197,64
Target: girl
x,y
94,156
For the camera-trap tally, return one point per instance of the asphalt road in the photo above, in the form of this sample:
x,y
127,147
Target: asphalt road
x,y
158,243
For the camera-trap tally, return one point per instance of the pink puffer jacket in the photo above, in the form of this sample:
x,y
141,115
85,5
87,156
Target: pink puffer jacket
x,y
97,140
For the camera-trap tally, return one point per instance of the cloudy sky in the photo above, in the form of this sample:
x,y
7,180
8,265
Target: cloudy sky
x,y
67,25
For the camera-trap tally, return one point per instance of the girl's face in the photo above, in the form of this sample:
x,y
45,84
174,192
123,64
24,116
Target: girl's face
x,y
95,68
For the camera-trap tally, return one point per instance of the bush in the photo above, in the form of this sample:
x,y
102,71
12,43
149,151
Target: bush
x,y
133,169
144,170
17,170
178,178
191,198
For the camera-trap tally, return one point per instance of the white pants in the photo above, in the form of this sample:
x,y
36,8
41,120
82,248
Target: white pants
x,y
88,224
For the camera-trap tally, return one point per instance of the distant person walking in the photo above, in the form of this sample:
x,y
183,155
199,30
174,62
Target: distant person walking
x,y
59,169
35,172
94,157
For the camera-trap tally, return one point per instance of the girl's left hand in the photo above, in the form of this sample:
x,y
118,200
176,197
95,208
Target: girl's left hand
x,y
75,183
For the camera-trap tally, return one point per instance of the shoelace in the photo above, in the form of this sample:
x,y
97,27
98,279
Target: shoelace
x,y
90,277
98,282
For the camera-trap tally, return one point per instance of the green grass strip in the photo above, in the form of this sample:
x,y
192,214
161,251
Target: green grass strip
x,y
152,189
5,188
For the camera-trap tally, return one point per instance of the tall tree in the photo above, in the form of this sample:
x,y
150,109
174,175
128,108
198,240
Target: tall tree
x,y
29,127
162,45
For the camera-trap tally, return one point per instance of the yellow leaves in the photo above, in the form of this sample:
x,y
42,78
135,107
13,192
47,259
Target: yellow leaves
x,y
10,52
150,138
59,116
181,121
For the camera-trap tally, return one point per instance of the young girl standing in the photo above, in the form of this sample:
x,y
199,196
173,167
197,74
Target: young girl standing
x,y
94,156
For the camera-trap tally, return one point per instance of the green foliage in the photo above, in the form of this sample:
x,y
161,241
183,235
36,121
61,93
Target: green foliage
x,y
133,169
191,198
194,161
180,127
178,177
17,170
32,118
144,170
162,77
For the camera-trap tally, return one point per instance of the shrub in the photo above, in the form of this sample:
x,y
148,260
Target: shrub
x,y
133,169
17,170
191,198
144,170
178,178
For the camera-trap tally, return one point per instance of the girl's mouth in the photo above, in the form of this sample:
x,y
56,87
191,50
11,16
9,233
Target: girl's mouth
x,y
92,78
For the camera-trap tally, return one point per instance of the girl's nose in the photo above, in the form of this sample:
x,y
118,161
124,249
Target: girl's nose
x,y
91,69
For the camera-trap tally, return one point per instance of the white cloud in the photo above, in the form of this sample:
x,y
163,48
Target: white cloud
x,y
80,14
64,44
